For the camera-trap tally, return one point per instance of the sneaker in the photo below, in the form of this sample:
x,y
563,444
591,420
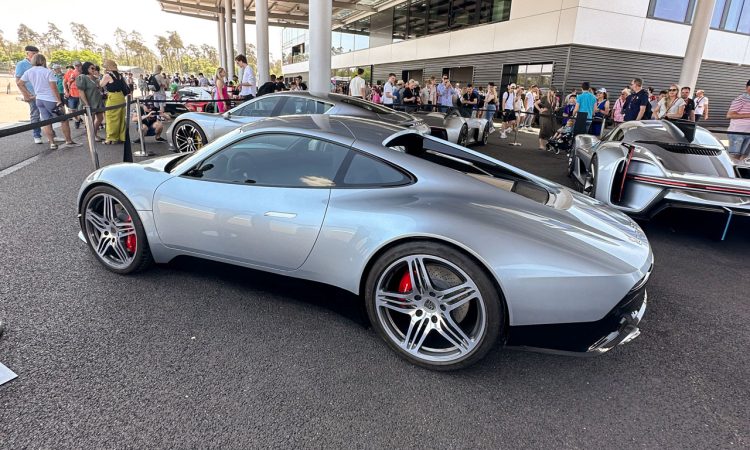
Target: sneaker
x,y
52,146
137,141
72,144
38,140
77,124
160,139
503,135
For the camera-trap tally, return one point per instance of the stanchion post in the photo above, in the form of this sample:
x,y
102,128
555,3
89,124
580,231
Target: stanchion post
x,y
142,152
90,133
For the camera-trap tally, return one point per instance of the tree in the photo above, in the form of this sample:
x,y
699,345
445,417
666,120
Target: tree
x,y
175,41
276,68
53,39
162,45
121,42
83,36
27,36
210,53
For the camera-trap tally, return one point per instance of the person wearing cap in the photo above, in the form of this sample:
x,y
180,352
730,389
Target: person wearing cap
x,y
739,122
601,112
71,90
21,68
509,105
701,105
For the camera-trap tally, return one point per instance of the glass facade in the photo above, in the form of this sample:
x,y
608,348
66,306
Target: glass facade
x,y
408,20
729,15
527,75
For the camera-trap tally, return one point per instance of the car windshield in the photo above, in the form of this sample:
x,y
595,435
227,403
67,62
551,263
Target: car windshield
x,y
364,104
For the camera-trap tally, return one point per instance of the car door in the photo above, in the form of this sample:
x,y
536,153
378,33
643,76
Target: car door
x,y
253,110
259,201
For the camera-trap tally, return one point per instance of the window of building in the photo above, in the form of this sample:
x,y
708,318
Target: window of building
x,y
672,10
527,75
439,16
417,19
400,21
728,15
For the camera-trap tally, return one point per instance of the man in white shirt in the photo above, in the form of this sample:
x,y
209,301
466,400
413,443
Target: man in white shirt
x,y
249,88
530,100
388,90
701,106
46,97
357,85
509,114
202,81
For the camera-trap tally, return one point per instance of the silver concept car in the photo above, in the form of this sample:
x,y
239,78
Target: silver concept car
x,y
191,131
453,127
451,251
643,167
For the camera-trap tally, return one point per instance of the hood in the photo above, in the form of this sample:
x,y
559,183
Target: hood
x,y
397,117
697,160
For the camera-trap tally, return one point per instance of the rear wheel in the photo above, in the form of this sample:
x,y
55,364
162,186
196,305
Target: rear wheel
x,y
188,137
433,305
114,231
463,136
486,133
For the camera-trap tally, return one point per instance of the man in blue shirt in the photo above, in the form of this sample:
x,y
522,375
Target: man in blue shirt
x,y
585,102
445,91
21,68
637,106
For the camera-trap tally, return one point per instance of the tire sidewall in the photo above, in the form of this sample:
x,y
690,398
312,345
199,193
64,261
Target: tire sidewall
x,y
141,251
494,305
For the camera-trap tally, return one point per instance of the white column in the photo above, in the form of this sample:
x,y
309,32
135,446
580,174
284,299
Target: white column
x,y
239,15
320,24
261,30
222,42
691,64
230,39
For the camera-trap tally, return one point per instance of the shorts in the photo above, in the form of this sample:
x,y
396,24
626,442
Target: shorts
x,y
509,115
151,131
738,143
47,109
73,103
161,95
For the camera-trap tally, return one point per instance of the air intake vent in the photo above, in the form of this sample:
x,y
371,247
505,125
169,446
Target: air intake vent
x,y
685,149
743,172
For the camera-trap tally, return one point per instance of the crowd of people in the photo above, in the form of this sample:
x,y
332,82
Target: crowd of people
x,y
49,91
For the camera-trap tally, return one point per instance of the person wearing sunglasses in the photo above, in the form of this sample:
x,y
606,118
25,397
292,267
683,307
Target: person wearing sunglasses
x,y
672,106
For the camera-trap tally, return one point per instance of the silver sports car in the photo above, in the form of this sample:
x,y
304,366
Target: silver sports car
x,y
451,251
643,167
191,131
453,127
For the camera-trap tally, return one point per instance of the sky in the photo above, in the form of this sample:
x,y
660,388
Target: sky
x,y
102,17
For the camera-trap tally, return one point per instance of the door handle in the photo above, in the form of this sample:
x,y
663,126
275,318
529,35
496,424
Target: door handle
x,y
281,215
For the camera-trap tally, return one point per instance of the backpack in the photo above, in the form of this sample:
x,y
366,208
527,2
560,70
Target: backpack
x,y
153,84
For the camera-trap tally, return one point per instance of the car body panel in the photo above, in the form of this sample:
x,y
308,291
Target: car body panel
x,y
568,259
452,122
664,170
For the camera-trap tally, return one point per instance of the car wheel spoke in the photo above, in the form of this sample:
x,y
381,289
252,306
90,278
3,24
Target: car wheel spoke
x,y
420,278
457,296
108,208
449,329
419,328
124,229
102,245
96,221
120,251
395,301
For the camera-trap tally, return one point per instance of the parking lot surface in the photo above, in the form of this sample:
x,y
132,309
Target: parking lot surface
x,y
198,354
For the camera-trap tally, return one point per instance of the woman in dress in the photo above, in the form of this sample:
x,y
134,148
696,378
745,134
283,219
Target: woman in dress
x,y
221,89
601,112
672,106
116,87
546,105
91,94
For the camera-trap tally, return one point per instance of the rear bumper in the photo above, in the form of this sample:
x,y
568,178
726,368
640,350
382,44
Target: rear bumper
x,y
619,326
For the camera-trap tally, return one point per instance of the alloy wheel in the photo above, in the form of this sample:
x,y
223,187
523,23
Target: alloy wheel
x,y
188,138
110,230
430,308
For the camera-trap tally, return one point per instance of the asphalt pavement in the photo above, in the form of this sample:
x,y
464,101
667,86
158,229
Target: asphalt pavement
x,y
198,354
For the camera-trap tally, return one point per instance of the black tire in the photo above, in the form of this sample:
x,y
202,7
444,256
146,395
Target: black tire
x,y
463,136
485,134
491,298
142,258
179,133
592,173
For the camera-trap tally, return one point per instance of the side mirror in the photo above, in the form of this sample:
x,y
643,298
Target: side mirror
x,y
227,115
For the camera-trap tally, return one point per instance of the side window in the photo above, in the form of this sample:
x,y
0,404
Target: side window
x,y
262,107
616,135
301,105
366,171
275,160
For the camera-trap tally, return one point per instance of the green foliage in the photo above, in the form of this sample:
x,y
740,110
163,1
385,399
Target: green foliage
x,y
65,57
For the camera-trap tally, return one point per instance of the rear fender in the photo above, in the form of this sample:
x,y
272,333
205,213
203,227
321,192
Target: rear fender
x,y
608,160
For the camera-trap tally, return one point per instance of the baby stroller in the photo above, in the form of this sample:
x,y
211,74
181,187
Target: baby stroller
x,y
561,143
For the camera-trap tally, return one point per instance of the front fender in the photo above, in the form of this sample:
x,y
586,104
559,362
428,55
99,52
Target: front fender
x,y
137,182
608,160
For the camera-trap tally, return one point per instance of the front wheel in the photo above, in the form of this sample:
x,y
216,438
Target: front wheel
x,y
486,134
187,136
463,136
434,306
114,231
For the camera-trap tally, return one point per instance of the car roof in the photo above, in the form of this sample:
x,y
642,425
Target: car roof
x,y
358,128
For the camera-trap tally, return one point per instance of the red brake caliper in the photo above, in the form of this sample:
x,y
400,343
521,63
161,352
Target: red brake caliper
x,y
404,285
130,241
